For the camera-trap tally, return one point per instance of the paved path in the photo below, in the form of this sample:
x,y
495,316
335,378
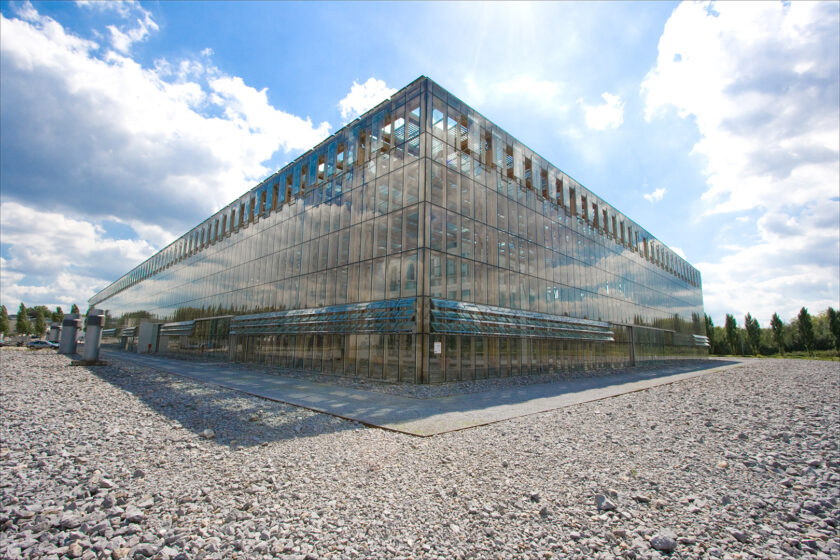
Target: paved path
x,y
424,417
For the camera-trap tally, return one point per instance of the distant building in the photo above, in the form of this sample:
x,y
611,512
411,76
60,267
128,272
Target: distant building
x,y
420,243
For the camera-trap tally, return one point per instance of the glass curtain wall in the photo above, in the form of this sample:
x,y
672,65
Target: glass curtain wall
x,y
421,200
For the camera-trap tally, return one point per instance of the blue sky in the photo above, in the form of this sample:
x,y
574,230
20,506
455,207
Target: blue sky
x,y
714,125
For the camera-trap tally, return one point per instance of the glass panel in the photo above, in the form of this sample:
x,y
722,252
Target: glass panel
x,y
436,280
438,116
382,195
467,241
392,358
377,356
408,365
452,233
395,233
394,278
362,355
367,240
480,283
480,361
409,274
451,358
466,280
414,117
466,196
411,218
453,287
396,190
378,279
436,185
412,183
453,195
467,372
365,280
381,236
436,227
341,289
436,360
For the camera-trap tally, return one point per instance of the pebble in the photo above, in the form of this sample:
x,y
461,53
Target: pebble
x,y
740,536
275,481
665,540
603,503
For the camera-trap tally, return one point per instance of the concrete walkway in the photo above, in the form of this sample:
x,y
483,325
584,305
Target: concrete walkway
x,y
424,417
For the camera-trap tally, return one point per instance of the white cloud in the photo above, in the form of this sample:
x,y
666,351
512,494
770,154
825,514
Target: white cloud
x,y
762,83
91,135
123,37
122,40
793,264
57,260
760,80
166,145
122,7
363,97
610,114
250,110
655,196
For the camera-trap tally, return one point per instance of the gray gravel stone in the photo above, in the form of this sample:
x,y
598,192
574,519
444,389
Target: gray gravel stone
x,y
603,503
90,446
665,540
133,514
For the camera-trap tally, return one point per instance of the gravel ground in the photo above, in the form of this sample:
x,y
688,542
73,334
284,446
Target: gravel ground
x,y
115,462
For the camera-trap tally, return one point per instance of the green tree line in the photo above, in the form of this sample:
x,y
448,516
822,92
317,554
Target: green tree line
x,y
32,320
804,333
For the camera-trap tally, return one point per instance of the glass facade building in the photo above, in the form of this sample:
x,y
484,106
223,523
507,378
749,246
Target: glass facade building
x,y
420,243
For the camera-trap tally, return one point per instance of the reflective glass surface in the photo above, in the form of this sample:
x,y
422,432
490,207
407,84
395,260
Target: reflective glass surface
x,y
507,265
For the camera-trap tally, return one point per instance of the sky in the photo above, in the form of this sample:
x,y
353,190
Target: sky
x,y
716,126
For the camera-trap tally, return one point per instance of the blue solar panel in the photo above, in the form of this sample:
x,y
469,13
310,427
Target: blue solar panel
x,y
454,317
387,316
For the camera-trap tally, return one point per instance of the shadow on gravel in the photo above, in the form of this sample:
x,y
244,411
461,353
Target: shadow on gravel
x,y
237,419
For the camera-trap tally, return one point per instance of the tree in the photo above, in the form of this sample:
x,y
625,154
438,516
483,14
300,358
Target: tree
x,y
753,332
33,312
74,308
5,328
834,327
58,315
22,325
40,323
806,330
710,332
731,328
778,332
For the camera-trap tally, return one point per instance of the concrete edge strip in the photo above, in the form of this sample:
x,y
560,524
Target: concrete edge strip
x,y
675,378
